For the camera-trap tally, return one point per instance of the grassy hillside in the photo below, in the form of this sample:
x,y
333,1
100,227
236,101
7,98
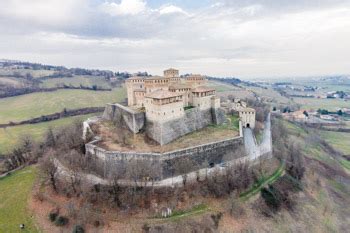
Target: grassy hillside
x,y
10,136
322,205
77,81
34,73
14,194
340,141
222,87
10,81
36,104
270,94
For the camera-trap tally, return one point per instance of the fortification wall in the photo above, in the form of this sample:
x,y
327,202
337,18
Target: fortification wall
x,y
106,162
124,117
194,119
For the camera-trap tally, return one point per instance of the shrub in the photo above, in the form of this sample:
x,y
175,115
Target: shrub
x,y
61,221
216,219
53,216
272,197
97,223
78,229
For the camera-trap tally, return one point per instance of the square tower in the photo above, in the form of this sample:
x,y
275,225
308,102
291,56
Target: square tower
x,y
171,73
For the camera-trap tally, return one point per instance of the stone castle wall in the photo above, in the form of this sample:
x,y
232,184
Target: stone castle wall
x,y
194,119
125,117
106,162
163,132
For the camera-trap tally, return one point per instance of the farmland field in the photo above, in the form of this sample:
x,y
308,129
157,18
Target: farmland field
x,y
222,87
15,191
34,73
326,86
329,104
37,104
10,81
340,141
269,94
10,136
76,81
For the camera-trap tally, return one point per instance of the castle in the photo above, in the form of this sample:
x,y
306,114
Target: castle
x,y
165,98
167,107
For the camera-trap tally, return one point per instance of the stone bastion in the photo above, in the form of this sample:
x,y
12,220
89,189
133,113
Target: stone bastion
x,y
105,162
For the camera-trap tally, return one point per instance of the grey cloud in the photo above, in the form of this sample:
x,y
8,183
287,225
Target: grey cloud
x,y
244,38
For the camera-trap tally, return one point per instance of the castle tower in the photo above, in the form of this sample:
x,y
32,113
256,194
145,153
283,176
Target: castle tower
x,y
173,75
202,98
163,106
155,83
133,84
196,80
247,116
169,73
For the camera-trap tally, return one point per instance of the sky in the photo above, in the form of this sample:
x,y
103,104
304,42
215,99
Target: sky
x,y
242,38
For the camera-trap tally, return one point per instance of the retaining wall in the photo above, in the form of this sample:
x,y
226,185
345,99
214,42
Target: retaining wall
x,y
193,120
106,162
124,117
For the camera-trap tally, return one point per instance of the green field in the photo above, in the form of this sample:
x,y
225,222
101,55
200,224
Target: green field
x,y
326,86
34,73
269,94
76,81
340,141
329,104
10,81
14,192
221,87
37,104
10,136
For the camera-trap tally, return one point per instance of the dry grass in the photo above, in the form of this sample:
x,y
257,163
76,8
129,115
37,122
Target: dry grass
x,y
140,143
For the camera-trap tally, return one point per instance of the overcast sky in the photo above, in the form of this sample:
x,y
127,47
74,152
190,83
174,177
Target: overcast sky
x,y
243,38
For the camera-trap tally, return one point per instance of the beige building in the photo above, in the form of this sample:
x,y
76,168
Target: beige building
x,y
168,107
184,89
164,98
196,80
201,97
171,73
247,116
164,105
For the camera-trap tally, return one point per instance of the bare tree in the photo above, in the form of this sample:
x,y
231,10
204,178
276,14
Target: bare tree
x,y
50,138
50,169
182,167
116,189
296,163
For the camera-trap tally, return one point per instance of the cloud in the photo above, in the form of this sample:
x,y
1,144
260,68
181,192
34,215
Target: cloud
x,y
171,9
43,12
126,7
242,38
